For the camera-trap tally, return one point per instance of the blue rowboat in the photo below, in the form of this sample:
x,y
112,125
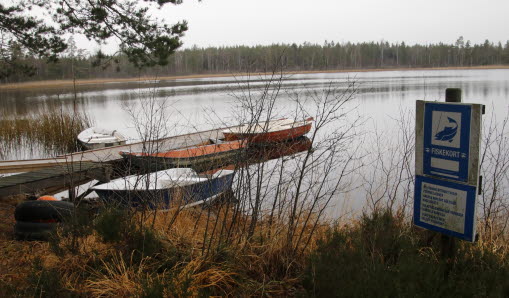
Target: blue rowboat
x,y
165,189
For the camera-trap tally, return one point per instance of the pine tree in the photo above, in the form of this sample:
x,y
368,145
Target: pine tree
x,y
144,40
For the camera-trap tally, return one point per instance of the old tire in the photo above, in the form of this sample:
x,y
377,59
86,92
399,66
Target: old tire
x,y
34,231
43,211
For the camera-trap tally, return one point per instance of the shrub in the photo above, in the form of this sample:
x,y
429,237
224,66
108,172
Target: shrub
x,y
112,224
44,282
382,256
142,242
77,225
152,289
137,240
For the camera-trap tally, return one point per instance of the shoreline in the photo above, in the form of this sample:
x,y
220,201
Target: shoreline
x,y
69,83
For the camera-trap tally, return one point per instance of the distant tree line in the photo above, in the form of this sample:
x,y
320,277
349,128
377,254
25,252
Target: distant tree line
x,y
303,57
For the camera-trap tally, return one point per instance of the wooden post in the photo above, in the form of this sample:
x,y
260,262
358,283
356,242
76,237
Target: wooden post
x,y
448,243
453,95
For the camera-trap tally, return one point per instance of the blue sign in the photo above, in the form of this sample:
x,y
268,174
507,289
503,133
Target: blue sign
x,y
447,140
446,207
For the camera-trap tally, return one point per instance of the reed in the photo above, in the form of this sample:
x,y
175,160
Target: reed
x,y
42,133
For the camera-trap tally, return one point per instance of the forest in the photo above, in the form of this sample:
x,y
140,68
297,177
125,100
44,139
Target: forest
x,y
81,64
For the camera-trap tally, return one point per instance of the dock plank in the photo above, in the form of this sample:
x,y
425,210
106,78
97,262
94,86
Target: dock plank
x,y
53,179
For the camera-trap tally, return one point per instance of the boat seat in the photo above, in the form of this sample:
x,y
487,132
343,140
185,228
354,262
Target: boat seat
x,y
104,140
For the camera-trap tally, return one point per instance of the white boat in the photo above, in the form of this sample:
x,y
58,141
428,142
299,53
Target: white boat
x,y
162,189
95,137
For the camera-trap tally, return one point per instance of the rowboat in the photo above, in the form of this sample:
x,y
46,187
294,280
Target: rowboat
x,y
95,138
199,157
165,189
270,131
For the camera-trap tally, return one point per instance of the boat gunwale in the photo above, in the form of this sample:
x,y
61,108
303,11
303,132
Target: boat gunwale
x,y
308,121
241,146
142,180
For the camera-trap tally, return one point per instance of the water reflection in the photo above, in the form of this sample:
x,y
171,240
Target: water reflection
x,y
268,152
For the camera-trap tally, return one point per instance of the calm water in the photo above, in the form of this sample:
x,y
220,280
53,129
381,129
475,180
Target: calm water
x,y
202,103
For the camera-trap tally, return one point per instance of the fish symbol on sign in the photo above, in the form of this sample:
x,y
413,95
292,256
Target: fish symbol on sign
x,y
449,132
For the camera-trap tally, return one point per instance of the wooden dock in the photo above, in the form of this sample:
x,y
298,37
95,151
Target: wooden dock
x,y
54,179
17,166
52,175
112,153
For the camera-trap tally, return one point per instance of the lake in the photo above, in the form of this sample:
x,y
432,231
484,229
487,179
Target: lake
x,y
202,103
197,104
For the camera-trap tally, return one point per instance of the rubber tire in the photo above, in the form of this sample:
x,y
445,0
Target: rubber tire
x,y
34,231
33,211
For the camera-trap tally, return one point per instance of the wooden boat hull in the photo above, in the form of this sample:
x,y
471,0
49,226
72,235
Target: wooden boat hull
x,y
270,136
199,164
167,198
199,158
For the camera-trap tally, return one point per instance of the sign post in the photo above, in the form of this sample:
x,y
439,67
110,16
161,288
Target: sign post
x,y
447,166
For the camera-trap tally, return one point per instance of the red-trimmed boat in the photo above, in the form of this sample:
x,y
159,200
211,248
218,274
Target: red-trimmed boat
x,y
199,158
270,131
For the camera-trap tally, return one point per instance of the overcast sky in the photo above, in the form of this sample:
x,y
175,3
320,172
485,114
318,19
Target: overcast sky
x,y
252,22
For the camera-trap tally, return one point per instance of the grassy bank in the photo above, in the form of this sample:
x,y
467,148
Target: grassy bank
x,y
379,254
69,83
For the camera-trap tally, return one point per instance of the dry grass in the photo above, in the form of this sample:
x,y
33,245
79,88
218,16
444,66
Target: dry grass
x,y
17,257
116,278
204,274
260,266
243,266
